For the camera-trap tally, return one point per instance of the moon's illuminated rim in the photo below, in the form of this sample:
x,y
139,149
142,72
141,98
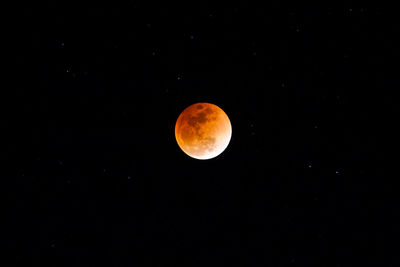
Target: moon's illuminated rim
x,y
203,131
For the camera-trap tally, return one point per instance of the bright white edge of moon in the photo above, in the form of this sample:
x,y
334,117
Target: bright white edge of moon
x,y
223,143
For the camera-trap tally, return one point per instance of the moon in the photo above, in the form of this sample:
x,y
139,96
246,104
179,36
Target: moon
x,y
203,131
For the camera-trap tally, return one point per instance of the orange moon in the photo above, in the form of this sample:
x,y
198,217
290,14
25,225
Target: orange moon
x,y
203,131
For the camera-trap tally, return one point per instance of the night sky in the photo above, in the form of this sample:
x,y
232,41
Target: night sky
x,y
93,175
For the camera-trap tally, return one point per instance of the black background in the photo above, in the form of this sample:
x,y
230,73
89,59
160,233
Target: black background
x,y
92,172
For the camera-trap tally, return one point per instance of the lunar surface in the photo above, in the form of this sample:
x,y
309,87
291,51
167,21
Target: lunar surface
x,y
203,131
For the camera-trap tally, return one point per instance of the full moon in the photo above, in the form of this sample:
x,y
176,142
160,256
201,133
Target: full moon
x,y
203,131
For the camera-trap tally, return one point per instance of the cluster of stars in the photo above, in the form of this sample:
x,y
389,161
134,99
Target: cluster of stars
x,y
309,166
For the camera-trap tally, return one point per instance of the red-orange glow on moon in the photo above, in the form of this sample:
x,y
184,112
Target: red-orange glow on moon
x,y
203,131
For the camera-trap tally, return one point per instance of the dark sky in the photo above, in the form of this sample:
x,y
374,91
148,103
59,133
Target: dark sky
x,y
93,175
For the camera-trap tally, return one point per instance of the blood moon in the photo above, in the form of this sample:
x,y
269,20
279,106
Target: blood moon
x,y
203,131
